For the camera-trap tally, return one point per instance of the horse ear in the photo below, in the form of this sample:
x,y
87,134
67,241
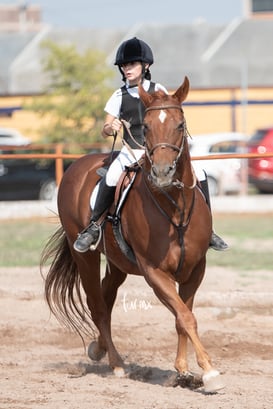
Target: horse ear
x,y
145,97
182,92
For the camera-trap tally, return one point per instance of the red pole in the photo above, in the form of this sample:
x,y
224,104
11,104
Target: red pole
x,y
59,163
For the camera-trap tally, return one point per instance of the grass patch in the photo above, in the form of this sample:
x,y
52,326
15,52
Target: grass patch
x,y
22,241
250,238
242,259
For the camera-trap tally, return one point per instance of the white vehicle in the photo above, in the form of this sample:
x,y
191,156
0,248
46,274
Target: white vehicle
x,y
12,137
224,175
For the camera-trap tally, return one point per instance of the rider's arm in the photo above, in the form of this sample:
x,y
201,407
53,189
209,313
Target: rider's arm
x,y
111,125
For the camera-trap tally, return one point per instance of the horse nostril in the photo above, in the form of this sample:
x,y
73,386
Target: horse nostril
x,y
154,170
168,170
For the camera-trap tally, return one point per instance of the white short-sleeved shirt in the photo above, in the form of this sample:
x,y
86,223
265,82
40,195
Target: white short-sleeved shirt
x,y
113,104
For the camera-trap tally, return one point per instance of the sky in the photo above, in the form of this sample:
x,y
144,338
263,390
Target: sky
x,y
124,14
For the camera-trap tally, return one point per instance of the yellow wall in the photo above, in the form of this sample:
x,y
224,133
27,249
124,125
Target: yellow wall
x,y
27,122
204,119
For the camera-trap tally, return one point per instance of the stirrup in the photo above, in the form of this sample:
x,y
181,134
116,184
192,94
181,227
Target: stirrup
x,y
95,245
89,238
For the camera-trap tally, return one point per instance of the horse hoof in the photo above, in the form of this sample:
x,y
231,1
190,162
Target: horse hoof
x,y
188,379
119,372
95,352
212,381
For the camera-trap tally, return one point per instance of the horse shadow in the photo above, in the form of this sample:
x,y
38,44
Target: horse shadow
x,y
138,373
146,374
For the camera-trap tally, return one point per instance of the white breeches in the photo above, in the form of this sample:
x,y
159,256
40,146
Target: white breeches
x,y
124,158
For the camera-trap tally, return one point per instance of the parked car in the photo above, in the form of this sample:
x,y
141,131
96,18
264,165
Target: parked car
x,y
9,136
26,179
224,175
260,170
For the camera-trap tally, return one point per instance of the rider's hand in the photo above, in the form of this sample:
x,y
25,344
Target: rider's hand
x,y
116,125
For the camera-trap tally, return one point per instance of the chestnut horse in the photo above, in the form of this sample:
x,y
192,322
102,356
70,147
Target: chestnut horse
x,y
166,223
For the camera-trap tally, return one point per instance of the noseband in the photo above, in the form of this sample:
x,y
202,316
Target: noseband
x,y
165,144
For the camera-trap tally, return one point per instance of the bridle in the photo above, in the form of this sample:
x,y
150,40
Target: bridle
x,y
164,145
148,153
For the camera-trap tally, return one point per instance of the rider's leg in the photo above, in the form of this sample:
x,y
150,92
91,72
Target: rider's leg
x,y
216,242
91,233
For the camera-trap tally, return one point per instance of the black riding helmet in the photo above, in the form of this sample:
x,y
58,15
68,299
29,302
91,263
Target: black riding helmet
x,y
135,50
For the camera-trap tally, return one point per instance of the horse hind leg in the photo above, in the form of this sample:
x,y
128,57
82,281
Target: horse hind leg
x,y
110,284
100,303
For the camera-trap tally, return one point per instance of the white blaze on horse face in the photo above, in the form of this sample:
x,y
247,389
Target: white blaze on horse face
x,y
162,116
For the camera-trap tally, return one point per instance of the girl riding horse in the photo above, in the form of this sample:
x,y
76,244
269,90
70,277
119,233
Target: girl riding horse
x,y
134,58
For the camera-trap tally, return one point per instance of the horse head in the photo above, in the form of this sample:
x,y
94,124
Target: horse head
x,y
165,132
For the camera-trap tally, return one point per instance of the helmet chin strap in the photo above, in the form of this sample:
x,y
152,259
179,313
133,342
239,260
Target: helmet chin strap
x,y
145,72
122,73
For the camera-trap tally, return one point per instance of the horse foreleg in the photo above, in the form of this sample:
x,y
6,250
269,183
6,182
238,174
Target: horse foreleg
x,y
187,292
186,324
185,377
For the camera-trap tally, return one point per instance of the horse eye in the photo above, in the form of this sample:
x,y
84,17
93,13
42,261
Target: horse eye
x,y
180,127
145,128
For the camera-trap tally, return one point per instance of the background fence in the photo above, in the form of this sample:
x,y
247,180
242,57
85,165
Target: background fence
x,y
58,153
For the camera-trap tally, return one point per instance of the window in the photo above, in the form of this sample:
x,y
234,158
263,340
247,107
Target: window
x,y
261,6
225,147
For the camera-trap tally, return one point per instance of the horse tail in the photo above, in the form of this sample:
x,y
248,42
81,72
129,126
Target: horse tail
x,y
63,285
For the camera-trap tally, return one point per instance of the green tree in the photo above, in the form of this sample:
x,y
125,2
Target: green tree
x,y
75,95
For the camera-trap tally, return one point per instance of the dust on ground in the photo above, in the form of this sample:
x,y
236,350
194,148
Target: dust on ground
x,y
45,366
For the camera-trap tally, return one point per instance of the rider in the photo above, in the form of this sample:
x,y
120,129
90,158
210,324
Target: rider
x,y
134,58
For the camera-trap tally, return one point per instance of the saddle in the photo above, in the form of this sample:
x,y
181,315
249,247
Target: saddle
x,y
124,185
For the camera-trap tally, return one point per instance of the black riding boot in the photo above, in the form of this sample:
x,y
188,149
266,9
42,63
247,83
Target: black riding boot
x,y
216,242
90,236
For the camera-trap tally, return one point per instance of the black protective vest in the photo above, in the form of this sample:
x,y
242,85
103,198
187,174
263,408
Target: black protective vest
x,y
132,110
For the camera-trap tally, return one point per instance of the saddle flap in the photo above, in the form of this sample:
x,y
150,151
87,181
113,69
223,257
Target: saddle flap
x,y
124,185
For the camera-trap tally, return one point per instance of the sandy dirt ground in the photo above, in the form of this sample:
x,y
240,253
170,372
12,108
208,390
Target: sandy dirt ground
x,y
42,365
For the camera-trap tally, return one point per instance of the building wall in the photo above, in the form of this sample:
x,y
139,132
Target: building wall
x,y
27,122
20,17
200,119
243,118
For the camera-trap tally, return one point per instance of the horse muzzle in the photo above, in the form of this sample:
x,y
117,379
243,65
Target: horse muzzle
x,y
162,175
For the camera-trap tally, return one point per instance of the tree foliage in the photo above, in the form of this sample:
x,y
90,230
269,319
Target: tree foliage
x,y
75,95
